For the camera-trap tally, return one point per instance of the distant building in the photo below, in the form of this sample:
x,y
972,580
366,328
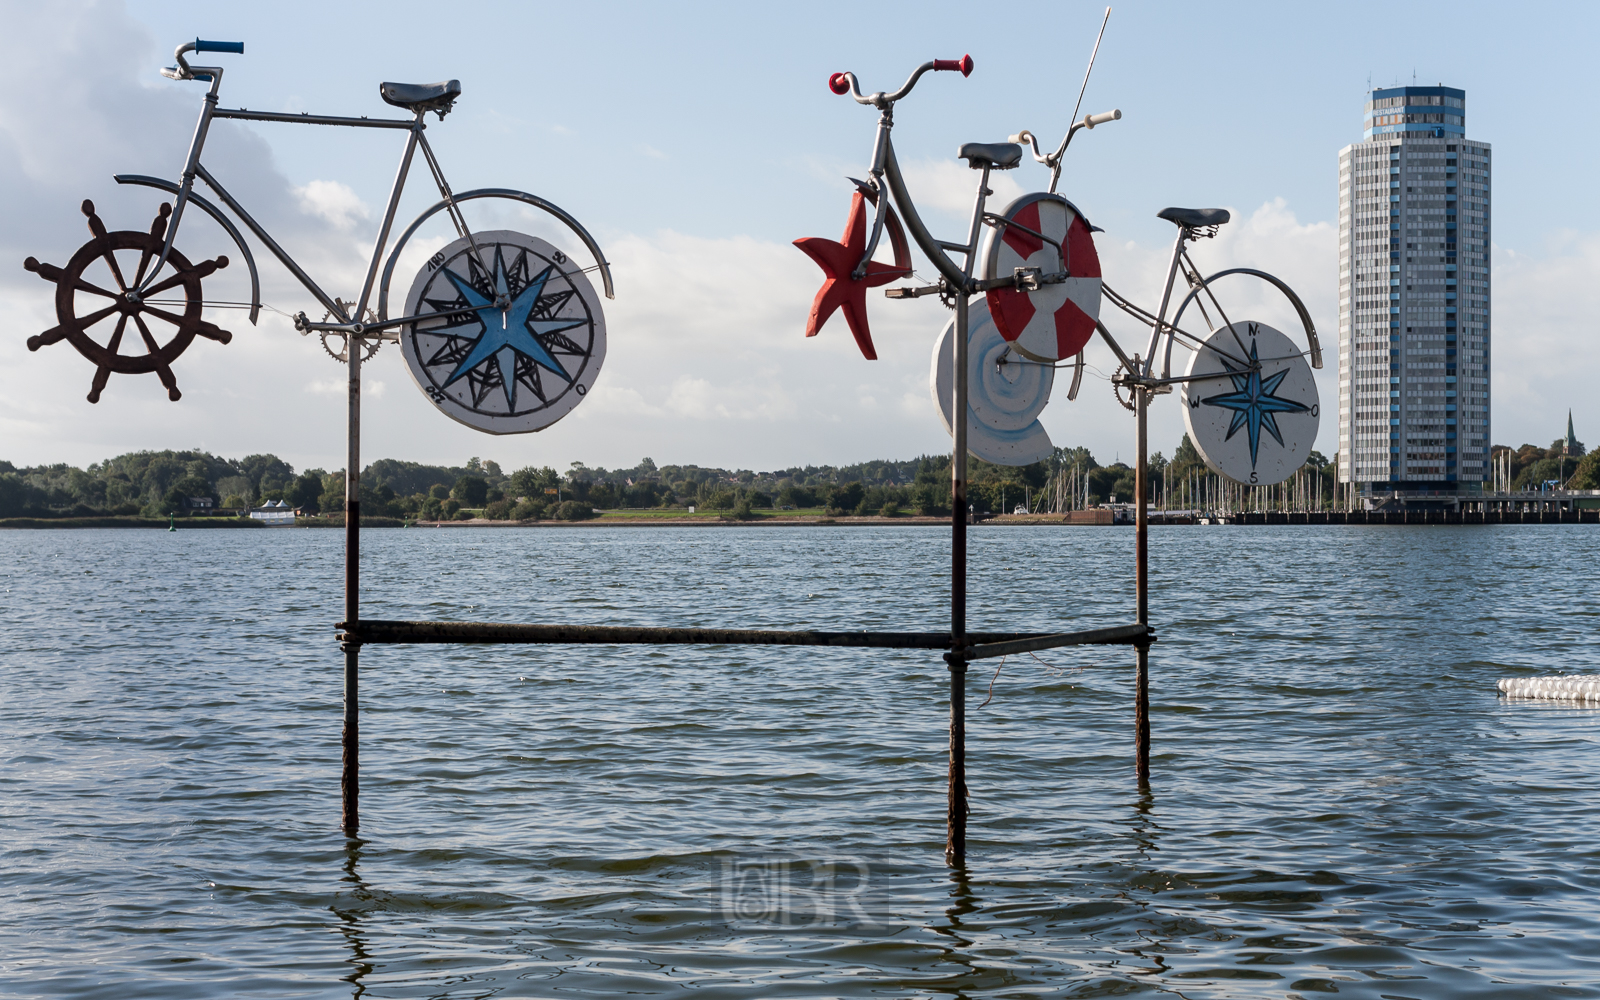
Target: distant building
x,y
274,513
1414,342
198,503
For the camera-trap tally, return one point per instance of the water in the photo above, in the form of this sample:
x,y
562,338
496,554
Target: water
x,y
1342,804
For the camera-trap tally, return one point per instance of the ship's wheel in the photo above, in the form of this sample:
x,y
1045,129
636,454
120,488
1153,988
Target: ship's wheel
x,y
94,280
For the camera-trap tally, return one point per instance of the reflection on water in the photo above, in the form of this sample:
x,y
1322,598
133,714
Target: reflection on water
x,y
352,901
1340,802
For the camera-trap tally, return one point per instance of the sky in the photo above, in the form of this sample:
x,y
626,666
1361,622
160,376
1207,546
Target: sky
x,y
696,142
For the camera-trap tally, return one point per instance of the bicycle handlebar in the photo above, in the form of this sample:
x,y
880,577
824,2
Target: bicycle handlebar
x,y
183,71
845,83
1052,159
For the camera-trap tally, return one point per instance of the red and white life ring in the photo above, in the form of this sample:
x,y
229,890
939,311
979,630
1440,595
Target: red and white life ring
x,y
1057,320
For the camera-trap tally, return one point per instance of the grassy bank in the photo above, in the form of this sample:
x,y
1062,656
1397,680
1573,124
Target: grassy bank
x,y
337,521
183,524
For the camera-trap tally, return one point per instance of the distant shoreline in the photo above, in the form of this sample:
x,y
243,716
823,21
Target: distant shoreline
x,y
1071,520
186,524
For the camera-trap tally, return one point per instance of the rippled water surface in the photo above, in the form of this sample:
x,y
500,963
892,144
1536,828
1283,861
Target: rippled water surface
x,y
1341,803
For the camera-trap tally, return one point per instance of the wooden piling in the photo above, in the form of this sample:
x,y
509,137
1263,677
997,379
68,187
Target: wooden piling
x,y
350,738
1141,695
350,757
955,843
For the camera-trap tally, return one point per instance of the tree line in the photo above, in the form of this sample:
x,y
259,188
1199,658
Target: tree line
x,y
1533,466
163,483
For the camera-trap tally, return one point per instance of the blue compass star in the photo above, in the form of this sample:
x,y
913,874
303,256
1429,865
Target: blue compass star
x,y
1253,404
507,332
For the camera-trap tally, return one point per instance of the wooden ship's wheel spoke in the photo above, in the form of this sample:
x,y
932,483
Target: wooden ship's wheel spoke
x,y
128,302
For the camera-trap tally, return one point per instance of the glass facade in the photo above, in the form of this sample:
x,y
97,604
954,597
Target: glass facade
x,y
1414,338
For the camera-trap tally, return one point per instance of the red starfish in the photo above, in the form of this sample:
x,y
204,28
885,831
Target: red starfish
x,y
841,291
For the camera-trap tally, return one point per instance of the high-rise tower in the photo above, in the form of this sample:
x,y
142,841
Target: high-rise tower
x,y
1414,297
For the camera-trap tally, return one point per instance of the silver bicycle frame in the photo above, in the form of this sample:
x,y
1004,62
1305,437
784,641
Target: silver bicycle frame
x,y
348,320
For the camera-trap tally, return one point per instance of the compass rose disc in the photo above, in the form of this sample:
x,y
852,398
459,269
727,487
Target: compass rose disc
x,y
521,339
1253,413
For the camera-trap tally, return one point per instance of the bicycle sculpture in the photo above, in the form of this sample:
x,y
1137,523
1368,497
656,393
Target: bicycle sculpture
x,y
1250,402
502,331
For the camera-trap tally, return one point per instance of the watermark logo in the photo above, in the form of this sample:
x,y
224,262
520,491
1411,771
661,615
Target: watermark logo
x,y
786,892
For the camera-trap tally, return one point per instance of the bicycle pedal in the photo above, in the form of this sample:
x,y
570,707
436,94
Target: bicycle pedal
x,y
910,293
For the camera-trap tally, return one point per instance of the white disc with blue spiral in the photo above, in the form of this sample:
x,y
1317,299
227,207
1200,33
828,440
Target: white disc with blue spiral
x,y
1006,392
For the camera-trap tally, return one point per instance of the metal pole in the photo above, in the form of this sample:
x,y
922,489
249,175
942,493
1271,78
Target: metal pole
x,y
955,845
350,773
1142,595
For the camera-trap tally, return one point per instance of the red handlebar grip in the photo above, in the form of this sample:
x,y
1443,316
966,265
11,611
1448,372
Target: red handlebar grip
x,y
964,64
838,84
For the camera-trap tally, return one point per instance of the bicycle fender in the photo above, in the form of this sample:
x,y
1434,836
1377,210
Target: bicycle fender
x,y
222,220
510,195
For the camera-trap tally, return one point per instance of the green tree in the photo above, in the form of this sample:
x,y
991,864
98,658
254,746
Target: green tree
x,y
574,510
472,491
532,482
847,497
1588,475
173,501
266,472
18,496
306,490
930,499
528,510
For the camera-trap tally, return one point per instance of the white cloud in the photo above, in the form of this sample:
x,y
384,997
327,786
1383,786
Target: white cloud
x,y
1544,350
333,202
950,187
340,387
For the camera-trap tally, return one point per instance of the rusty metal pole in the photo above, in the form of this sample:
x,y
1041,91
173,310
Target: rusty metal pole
x,y
1141,697
350,763
955,845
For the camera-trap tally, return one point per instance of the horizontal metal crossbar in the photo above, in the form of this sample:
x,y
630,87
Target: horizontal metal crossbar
x,y
377,631
310,119
1118,635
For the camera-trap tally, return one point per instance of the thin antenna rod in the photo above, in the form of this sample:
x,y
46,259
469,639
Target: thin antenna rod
x,y
1086,72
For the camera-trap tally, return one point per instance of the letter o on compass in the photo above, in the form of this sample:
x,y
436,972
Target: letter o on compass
x,y
513,337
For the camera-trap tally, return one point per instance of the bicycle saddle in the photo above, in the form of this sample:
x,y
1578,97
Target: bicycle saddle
x,y
421,96
1194,218
999,155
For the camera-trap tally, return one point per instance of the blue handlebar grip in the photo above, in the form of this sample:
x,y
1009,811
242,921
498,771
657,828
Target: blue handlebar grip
x,y
237,48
